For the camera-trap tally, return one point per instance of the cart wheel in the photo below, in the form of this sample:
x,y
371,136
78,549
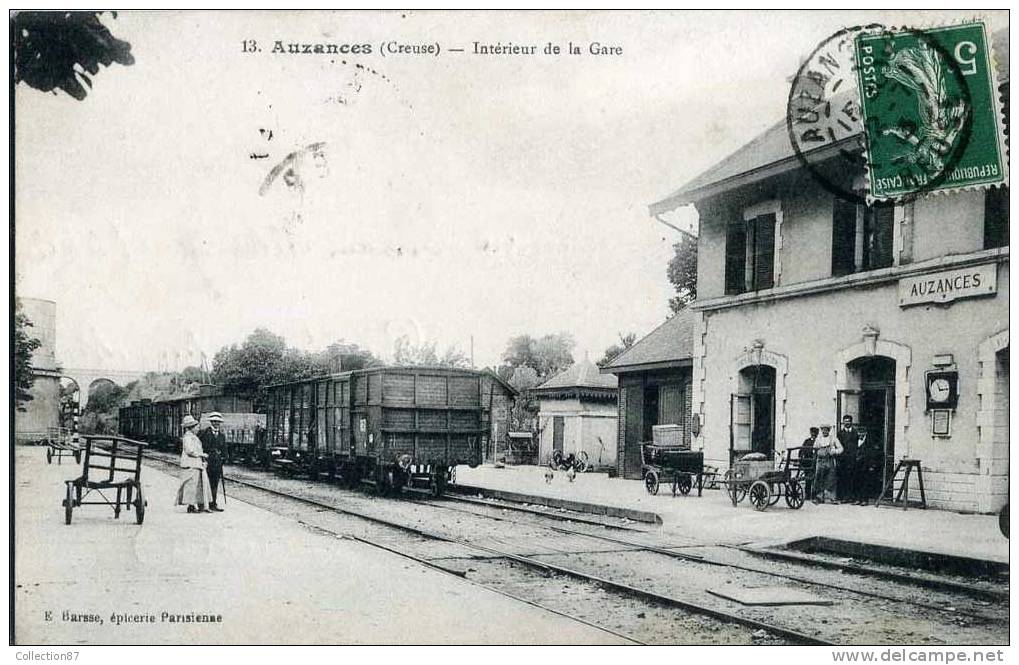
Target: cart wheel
x,y
68,504
1003,520
794,494
760,495
49,456
685,483
736,490
77,457
582,463
139,504
651,483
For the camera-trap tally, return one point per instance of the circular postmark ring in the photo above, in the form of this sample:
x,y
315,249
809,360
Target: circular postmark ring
x,y
821,99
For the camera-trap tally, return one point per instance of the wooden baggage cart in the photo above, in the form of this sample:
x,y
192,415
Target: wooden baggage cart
x,y
111,464
60,443
764,483
673,464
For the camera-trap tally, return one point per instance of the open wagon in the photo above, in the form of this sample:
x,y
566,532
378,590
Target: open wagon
x,y
111,464
60,443
671,464
763,483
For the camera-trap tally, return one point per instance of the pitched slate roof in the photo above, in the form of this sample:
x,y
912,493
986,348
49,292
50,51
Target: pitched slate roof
x,y
584,374
772,152
670,344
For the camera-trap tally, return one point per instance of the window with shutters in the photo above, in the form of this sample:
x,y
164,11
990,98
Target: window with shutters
x,y
996,218
863,237
750,254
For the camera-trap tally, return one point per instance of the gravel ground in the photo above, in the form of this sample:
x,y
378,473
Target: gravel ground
x,y
852,619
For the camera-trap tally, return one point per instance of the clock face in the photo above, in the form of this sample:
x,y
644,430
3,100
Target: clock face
x,y
940,390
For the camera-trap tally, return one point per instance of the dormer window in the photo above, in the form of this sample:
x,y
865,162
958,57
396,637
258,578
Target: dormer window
x,y
750,249
862,237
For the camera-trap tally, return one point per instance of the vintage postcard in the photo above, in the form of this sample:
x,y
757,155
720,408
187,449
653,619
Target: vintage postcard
x,y
406,327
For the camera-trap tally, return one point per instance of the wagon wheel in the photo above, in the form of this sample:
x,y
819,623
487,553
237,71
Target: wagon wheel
x,y
760,495
139,504
582,464
49,456
651,482
437,484
68,503
685,483
736,490
794,494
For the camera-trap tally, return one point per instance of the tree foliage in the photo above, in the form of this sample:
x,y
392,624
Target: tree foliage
x,y
625,342
406,352
682,272
24,346
60,50
264,359
546,355
105,397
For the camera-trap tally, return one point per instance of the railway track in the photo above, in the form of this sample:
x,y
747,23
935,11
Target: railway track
x,y
800,576
597,577
661,618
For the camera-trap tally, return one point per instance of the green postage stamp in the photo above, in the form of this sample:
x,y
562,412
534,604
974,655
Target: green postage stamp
x,y
931,111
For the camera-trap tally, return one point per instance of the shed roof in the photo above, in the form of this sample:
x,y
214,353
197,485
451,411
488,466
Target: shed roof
x,y
668,345
771,152
584,374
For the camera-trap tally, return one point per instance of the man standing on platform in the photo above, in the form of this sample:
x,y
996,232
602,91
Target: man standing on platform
x,y
847,473
214,444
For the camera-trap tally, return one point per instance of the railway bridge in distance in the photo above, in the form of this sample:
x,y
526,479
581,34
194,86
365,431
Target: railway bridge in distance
x,y
88,377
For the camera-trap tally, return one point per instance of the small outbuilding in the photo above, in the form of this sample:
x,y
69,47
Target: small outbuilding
x,y
655,389
577,412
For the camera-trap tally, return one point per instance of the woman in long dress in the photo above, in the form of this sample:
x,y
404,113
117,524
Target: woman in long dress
x,y
194,486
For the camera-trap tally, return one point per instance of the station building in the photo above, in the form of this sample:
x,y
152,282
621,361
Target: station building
x,y
811,307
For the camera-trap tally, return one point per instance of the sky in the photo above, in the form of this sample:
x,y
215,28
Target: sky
x,y
452,198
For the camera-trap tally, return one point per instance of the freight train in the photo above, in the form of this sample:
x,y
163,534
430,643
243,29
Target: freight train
x,y
158,422
391,427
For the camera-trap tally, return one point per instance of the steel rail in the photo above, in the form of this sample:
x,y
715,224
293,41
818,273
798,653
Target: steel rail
x,y
548,568
751,569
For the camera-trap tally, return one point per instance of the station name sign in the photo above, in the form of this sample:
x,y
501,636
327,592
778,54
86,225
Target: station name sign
x,y
941,287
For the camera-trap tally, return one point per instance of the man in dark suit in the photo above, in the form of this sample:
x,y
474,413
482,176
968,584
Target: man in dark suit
x,y
848,491
214,444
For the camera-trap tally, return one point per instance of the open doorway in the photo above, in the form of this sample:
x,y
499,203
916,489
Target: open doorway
x,y
752,414
871,403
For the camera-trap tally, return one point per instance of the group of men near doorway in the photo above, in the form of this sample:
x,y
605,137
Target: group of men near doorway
x,y
841,466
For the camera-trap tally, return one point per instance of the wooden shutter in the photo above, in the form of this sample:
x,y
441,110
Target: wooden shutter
x,y
996,218
881,236
843,238
764,252
735,258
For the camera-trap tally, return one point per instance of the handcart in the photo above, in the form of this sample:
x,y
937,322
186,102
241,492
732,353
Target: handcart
x,y
60,443
671,464
765,485
111,463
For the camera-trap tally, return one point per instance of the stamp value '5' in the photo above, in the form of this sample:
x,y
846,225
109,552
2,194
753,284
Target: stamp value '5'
x,y
931,111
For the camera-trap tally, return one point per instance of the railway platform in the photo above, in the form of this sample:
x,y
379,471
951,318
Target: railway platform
x,y
244,576
712,518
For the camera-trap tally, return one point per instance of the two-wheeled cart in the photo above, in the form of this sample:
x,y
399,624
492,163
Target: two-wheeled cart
x,y
60,443
111,464
763,483
671,464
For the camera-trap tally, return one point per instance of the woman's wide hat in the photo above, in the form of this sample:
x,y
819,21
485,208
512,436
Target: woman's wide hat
x,y
189,421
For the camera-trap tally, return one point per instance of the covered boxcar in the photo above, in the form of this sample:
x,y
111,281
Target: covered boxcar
x,y
387,426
